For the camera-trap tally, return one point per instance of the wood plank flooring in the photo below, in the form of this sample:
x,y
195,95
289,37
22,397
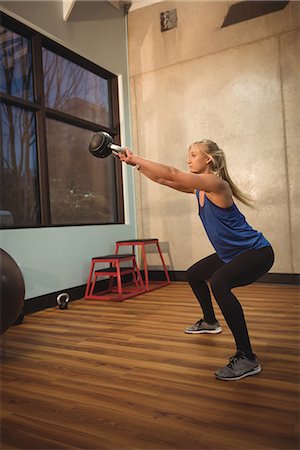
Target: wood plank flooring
x,y
107,375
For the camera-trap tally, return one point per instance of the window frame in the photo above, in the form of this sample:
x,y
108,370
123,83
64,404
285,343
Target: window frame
x,y
42,112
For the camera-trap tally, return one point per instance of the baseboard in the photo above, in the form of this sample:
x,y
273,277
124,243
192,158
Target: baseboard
x,y
46,301
280,278
35,304
274,278
75,293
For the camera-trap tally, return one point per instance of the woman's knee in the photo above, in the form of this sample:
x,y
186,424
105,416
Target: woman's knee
x,y
203,269
219,286
192,275
195,274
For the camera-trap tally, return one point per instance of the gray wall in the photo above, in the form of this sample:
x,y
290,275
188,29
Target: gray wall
x,y
238,86
54,259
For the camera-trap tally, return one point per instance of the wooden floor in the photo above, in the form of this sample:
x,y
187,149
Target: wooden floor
x,y
106,375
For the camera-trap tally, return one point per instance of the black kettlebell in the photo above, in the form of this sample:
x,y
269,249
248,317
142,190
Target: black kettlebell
x,y
62,300
102,145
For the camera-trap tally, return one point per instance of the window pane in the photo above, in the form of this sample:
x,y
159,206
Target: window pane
x,y
74,90
19,200
15,65
82,188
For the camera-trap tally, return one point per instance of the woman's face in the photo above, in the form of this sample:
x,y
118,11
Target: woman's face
x,y
197,160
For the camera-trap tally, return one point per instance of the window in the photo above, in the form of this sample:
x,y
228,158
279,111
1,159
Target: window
x,y
19,177
74,90
87,196
52,101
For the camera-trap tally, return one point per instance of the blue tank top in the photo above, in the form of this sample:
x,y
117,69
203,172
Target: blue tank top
x,y
228,231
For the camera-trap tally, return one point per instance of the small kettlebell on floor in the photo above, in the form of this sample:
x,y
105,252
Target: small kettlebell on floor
x,y
62,300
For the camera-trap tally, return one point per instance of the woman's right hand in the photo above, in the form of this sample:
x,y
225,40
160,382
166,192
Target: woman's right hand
x,y
129,157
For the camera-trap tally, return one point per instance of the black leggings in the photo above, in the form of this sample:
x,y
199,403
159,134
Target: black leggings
x,y
242,270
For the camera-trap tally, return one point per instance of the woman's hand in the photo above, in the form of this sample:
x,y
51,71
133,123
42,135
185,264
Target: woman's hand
x,y
128,157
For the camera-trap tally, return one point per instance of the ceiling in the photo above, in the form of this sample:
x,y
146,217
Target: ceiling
x,y
136,4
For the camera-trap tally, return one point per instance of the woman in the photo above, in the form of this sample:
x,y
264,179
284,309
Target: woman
x,y
242,254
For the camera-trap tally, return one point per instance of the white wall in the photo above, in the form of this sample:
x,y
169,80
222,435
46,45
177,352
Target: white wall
x,y
238,86
53,259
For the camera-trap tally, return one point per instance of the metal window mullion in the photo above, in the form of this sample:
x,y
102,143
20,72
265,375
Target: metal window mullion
x,y
19,102
41,130
77,121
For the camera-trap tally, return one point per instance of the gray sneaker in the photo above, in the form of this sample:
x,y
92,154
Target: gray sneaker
x,y
203,327
239,367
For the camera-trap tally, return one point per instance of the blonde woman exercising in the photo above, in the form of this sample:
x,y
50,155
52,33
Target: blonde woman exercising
x,y
242,255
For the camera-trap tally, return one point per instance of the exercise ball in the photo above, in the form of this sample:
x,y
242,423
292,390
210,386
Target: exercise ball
x,y
12,290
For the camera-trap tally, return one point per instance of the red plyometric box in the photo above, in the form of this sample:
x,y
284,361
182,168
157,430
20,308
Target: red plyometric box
x,y
121,290
150,285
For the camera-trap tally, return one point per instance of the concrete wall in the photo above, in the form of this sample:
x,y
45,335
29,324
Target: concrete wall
x,y
54,259
238,86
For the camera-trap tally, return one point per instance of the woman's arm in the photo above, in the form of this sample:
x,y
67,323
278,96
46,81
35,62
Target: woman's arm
x,y
174,178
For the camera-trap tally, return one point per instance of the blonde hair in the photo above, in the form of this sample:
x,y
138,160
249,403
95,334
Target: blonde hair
x,y
219,168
